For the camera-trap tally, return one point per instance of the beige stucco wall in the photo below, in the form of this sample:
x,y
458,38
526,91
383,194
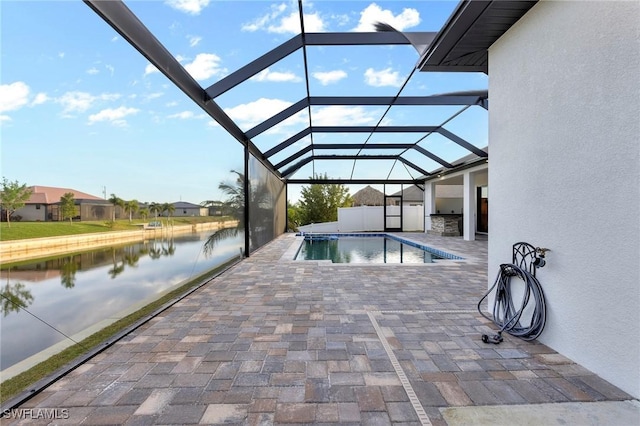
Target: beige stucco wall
x,y
31,214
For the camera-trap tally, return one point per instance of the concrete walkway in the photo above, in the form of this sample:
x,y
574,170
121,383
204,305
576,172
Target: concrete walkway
x,y
274,341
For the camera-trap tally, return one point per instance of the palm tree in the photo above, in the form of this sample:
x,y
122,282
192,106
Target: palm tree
x,y
170,249
131,207
131,256
117,269
155,208
144,213
155,252
169,208
116,201
216,237
235,200
261,224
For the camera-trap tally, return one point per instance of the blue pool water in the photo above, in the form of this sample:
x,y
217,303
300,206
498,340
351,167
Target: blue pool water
x,y
366,248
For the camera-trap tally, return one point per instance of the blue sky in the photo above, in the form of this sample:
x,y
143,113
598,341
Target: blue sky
x,y
80,108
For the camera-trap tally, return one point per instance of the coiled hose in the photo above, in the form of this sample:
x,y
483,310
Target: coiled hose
x,y
505,314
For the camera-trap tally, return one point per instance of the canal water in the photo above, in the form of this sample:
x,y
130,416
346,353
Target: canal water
x,y
74,292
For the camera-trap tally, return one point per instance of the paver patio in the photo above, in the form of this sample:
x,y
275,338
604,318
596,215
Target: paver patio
x,y
275,341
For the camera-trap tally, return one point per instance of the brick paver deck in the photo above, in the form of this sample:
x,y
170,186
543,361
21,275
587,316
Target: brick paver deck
x,y
274,341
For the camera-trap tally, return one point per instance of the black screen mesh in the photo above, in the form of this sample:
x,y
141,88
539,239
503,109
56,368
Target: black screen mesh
x,y
267,205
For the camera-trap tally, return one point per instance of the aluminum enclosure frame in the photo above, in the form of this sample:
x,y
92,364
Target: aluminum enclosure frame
x,y
461,45
124,21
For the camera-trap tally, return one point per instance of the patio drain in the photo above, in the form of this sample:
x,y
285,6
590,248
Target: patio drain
x,y
413,398
404,380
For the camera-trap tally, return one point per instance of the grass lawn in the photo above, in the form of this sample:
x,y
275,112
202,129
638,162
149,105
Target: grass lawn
x,y
26,230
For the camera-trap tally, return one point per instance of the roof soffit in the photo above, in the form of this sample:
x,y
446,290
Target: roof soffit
x,y
463,43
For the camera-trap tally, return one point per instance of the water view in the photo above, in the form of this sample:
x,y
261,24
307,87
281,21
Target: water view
x,y
75,291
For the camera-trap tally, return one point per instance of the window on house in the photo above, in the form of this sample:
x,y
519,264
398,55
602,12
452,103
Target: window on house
x,y
37,206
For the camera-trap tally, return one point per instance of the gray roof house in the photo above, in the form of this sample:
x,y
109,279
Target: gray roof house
x,y
183,208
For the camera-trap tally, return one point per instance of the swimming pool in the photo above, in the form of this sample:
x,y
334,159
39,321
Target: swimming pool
x,y
367,248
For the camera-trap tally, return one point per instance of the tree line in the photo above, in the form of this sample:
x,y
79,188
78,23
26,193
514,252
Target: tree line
x,y
14,195
132,207
319,202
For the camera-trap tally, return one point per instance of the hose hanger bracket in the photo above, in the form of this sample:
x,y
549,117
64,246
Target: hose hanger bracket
x,y
529,257
507,314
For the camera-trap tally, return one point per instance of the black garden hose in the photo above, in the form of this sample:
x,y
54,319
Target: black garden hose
x,y
505,314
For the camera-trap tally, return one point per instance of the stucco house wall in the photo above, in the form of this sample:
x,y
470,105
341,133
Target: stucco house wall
x,y
31,213
564,126
188,209
44,205
449,198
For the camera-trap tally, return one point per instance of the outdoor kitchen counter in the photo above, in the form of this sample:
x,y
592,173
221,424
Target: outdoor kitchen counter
x,y
445,225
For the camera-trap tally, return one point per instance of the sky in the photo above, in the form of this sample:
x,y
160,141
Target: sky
x,y
80,108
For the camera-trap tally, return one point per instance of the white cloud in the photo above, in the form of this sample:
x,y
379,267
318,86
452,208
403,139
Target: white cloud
x,y
111,69
171,104
151,96
313,23
275,76
114,115
341,19
40,99
13,96
373,13
339,115
184,115
150,69
92,71
385,77
291,24
263,21
60,55
204,66
114,38
274,22
194,40
253,113
329,77
192,7
76,102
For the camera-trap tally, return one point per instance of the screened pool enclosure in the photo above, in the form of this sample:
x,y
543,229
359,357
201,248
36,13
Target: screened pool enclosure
x,y
345,111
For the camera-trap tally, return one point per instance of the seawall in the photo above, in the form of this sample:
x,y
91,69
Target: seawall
x,y
13,251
